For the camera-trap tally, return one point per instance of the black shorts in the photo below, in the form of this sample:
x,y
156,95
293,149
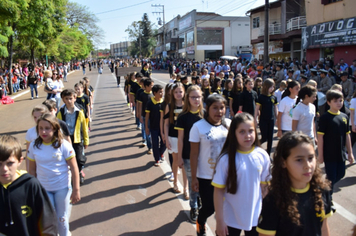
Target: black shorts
x,y
79,153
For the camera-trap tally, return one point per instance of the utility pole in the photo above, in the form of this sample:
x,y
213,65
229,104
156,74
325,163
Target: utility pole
x,y
164,23
266,38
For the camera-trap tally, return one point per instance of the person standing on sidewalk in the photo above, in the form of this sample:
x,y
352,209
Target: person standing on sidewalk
x,y
117,70
32,81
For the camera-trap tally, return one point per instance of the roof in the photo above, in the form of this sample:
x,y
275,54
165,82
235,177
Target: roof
x,y
259,4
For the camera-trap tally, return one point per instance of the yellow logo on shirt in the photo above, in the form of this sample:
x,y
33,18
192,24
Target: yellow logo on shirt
x,y
344,120
321,215
212,163
26,210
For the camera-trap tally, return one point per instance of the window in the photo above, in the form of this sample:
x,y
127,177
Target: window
x,y
256,22
247,24
239,24
329,1
209,36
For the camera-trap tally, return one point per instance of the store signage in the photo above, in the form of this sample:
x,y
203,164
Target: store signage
x,y
329,34
185,23
273,47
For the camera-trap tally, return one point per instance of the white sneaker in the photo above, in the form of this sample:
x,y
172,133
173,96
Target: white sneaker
x,y
171,178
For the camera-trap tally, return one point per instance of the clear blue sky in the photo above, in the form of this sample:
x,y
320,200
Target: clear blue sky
x,y
115,22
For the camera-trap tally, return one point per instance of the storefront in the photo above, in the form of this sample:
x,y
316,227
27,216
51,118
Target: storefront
x,y
334,39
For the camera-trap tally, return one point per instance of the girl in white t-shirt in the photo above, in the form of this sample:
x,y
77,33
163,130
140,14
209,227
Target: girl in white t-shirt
x,y
304,112
240,179
285,108
49,158
207,137
31,133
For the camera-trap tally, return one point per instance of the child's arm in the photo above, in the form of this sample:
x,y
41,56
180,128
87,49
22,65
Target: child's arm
x,y
138,111
231,110
32,167
166,129
279,124
194,154
221,227
325,228
72,163
320,148
315,134
349,149
294,125
161,127
180,148
257,111
146,123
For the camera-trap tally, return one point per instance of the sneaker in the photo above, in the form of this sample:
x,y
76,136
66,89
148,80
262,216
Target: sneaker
x,y
32,98
172,177
149,151
201,231
138,128
193,215
157,163
144,144
81,178
119,86
37,96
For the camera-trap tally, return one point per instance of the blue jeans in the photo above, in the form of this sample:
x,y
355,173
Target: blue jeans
x,y
193,201
335,171
83,71
65,77
157,144
33,87
145,137
60,200
58,102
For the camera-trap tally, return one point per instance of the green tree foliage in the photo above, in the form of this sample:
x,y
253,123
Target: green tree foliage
x,y
141,34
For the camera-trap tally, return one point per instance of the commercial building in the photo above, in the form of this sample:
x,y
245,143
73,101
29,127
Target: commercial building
x,y
202,36
286,20
331,30
120,50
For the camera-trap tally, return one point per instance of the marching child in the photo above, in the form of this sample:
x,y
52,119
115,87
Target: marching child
x,y
77,126
226,94
258,86
240,179
267,102
235,95
192,112
278,93
172,111
334,138
248,98
20,189
298,202
217,86
304,112
142,100
50,155
206,89
83,100
152,121
285,108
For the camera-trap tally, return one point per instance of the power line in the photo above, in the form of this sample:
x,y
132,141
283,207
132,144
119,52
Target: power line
x,y
117,9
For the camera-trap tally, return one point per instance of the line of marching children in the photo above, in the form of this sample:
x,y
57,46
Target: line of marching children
x,y
55,145
224,168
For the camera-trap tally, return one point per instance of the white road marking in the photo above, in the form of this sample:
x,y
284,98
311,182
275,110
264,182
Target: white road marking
x,y
345,213
96,89
130,199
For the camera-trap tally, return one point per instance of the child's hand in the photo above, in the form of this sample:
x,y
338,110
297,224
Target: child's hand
x,y
147,131
195,185
279,133
141,120
168,145
351,158
320,159
221,228
180,162
85,146
75,197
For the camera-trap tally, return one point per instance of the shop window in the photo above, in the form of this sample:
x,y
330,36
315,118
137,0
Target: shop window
x,y
256,22
329,1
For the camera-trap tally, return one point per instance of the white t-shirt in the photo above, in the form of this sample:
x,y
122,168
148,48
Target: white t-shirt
x,y
31,135
51,167
305,114
286,107
58,85
242,209
278,93
211,139
353,109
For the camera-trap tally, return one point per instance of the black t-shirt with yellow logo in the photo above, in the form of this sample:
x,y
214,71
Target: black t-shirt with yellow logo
x,y
267,104
272,223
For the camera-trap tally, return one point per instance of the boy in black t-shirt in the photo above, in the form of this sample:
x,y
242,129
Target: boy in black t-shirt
x,y
152,122
142,100
83,100
333,136
248,98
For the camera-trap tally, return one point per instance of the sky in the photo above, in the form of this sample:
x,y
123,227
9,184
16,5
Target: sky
x,y
116,15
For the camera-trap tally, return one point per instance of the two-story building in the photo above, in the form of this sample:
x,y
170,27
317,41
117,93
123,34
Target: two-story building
x,y
204,35
331,30
286,20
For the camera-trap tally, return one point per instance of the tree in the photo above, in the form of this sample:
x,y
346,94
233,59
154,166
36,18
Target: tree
x,y
140,32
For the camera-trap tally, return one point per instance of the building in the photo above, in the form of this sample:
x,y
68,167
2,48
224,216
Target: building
x,y
331,30
203,36
120,50
286,20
